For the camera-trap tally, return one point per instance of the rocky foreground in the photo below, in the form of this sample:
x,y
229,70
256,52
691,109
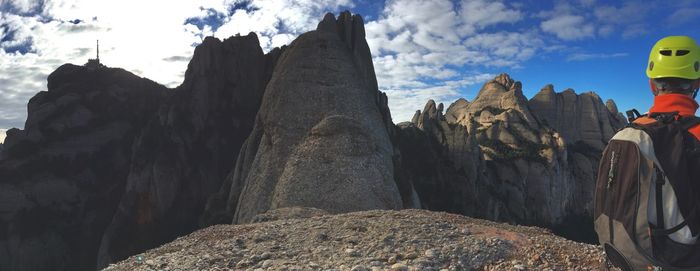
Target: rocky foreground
x,y
369,240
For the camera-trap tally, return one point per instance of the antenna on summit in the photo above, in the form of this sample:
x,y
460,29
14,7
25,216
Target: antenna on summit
x,y
94,64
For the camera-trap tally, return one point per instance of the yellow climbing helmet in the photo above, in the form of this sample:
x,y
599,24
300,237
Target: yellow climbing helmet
x,y
674,56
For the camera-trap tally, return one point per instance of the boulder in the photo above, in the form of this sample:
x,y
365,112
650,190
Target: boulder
x,y
456,110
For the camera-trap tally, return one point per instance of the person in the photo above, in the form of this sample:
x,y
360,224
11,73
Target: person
x,y
647,197
674,77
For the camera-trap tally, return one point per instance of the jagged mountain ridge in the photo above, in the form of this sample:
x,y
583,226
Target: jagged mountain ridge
x,y
524,164
308,117
134,162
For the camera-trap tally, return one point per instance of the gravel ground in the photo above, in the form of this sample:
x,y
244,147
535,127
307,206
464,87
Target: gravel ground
x,y
370,240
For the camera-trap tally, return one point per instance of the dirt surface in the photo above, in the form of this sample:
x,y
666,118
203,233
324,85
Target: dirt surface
x,y
371,240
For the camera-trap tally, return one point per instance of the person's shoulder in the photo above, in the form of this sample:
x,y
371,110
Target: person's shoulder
x,y
695,130
644,120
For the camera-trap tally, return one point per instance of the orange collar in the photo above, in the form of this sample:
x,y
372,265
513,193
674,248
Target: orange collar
x,y
685,105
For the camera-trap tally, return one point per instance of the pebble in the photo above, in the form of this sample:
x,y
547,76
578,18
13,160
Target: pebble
x,y
266,264
399,267
383,245
391,260
243,264
352,252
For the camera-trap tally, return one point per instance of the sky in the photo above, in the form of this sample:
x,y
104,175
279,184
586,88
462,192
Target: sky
x,y
422,49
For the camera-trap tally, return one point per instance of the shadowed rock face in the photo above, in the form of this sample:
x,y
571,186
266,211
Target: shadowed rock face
x,y
62,177
116,164
442,161
320,138
186,150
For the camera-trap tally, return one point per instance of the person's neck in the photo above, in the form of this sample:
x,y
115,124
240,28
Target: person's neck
x,y
673,102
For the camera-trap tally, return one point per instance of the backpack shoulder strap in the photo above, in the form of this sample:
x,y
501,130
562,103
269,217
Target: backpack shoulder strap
x,y
689,122
633,114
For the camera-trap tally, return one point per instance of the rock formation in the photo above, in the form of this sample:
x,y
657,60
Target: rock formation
x,y
110,164
186,150
320,139
539,156
62,177
126,164
578,118
442,161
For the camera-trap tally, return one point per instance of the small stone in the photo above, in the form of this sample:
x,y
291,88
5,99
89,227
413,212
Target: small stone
x,y
430,253
243,264
352,252
519,267
266,264
392,259
399,267
150,262
359,268
322,237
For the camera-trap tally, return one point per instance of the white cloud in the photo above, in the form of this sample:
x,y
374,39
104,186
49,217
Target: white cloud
x,y
149,38
278,22
422,47
589,56
404,102
683,15
478,14
417,45
568,27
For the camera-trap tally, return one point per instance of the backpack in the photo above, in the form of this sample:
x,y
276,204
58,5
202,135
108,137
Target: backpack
x,y
639,228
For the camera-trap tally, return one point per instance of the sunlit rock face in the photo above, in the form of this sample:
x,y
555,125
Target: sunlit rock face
x,y
321,138
508,158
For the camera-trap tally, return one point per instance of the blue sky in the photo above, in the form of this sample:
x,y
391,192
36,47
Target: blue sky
x,y
422,49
